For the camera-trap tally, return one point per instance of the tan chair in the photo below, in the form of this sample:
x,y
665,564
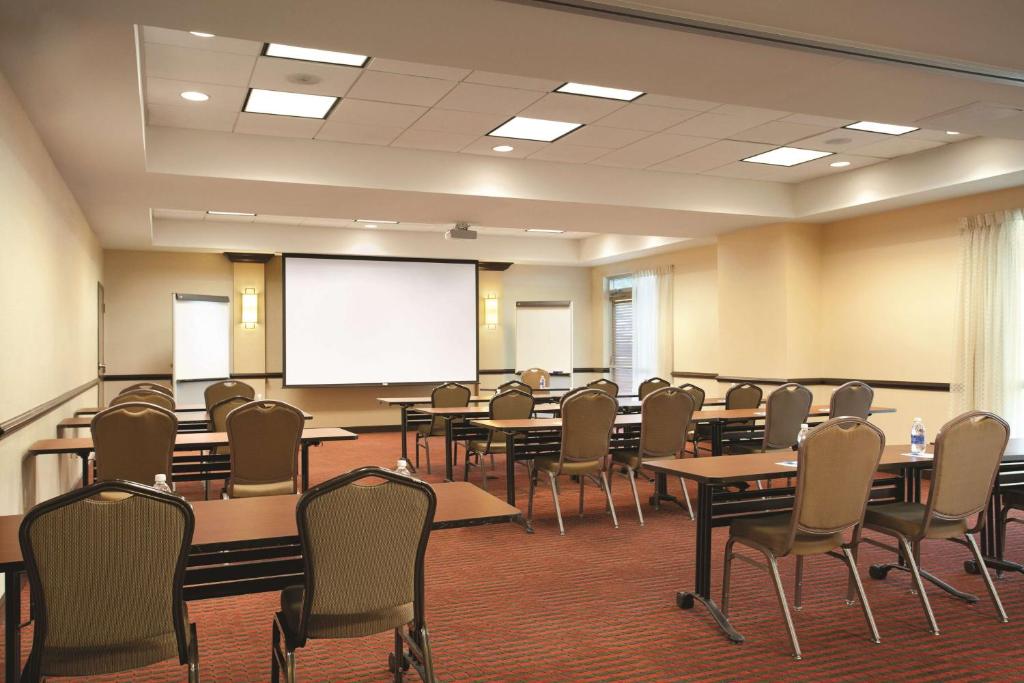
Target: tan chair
x,y
508,405
697,394
134,442
852,399
218,391
785,412
263,438
514,384
150,386
650,385
218,415
968,450
533,377
665,416
157,398
448,395
105,565
588,416
835,468
606,385
363,548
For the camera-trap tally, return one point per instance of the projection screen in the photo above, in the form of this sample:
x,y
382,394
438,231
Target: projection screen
x,y
372,321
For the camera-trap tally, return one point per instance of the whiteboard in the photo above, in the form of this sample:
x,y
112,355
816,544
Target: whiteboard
x,y
544,335
201,341
359,320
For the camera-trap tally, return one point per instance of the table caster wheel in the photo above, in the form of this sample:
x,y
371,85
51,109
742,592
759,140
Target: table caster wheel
x,y
878,572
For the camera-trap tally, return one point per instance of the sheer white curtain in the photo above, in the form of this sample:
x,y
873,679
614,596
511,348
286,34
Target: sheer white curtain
x,y
987,374
652,324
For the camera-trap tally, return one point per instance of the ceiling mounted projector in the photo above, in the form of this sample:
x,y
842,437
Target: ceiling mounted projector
x,y
461,231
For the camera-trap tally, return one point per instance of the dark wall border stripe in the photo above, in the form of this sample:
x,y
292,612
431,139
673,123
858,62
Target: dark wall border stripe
x,y
29,416
513,371
167,376
824,381
695,375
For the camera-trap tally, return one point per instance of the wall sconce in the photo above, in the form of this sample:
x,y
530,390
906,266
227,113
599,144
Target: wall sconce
x,y
250,308
491,311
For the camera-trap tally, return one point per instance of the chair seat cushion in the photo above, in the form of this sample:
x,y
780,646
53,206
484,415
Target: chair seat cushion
x,y
908,519
341,625
630,459
424,430
480,446
550,464
276,488
772,532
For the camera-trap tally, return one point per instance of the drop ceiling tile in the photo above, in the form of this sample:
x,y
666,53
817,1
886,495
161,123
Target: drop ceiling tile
x,y
677,102
431,139
652,150
896,146
167,36
570,154
413,69
749,171
778,132
341,131
602,136
840,140
311,78
573,108
175,116
644,117
520,148
282,126
714,125
755,114
821,167
400,89
509,81
811,120
936,135
715,155
465,122
488,99
184,64
367,113
164,91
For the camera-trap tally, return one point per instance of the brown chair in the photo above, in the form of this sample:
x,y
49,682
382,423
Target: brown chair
x,y
739,396
105,565
697,394
514,384
150,386
852,399
508,405
218,391
533,378
665,417
263,438
606,385
448,395
835,468
219,415
650,385
588,416
968,450
785,412
157,398
363,547
134,442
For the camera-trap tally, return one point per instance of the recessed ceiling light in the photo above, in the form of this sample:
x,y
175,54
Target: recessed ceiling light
x,y
200,34
308,54
541,130
503,148
546,231
370,225
373,220
195,96
886,128
839,164
787,156
599,91
288,103
952,132
230,213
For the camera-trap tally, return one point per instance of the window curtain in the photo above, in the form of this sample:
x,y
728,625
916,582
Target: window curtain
x,y
652,325
989,330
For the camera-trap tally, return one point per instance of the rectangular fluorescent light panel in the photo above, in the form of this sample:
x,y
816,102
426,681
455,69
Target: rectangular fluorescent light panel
x,y
288,103
886,128
229,213
547,231
786,156
541,130
370,220
599,91
308,54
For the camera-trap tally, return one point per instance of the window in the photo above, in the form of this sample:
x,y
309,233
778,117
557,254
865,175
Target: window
x,y
620,291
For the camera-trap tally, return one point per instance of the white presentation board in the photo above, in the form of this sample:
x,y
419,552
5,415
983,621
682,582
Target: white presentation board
x,y
202,343
544,335
360,320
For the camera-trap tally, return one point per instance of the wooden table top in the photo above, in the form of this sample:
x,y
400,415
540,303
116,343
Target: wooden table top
x,y
271,517
180,408
184,442
554,396
184,417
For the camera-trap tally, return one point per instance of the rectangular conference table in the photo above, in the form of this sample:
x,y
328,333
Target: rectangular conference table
x,y
180,408
193,441
241,546
191,419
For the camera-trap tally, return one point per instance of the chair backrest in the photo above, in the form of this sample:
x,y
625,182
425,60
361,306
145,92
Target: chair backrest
x,y
218,391
587,420
515,384
264,439
852,399
533,376
157,398
511,405
649,385
134,442
219,412
836,464
968,450
151,386
363,548
606,385
785,411
696,393
743,395
448,395
570,393
106,564
665,417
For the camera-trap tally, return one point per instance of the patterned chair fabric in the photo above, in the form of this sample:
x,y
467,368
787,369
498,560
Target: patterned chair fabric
x,y
134,442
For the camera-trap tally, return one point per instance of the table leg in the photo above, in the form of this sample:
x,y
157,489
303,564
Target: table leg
x,y
12,626
716,437
305,465
85,468
510,479
448,475
405,433
703,566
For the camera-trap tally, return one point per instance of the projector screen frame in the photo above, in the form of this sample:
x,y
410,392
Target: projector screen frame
x,y
356,257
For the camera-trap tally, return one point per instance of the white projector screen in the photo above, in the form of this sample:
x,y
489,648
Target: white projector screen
x,y
359,320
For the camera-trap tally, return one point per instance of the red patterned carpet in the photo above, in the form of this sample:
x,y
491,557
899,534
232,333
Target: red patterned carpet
x,y
598,605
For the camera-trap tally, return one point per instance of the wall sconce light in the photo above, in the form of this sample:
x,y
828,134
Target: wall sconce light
x,y
491,311
250,308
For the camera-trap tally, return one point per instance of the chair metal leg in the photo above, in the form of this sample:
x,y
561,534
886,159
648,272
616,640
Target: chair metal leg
x,y
428,656
483,467
533,489
558,509
988,578
636,496
397,658
855,578
289,666
426,449
854,546
727,576
583,480
465,467
686,497
193,656
773,568
908,554
275,644
798,587
608,494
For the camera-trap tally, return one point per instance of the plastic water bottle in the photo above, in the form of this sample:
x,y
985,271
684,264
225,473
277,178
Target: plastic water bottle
x,y
802,436
403,468
160,484
543,383
917,436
